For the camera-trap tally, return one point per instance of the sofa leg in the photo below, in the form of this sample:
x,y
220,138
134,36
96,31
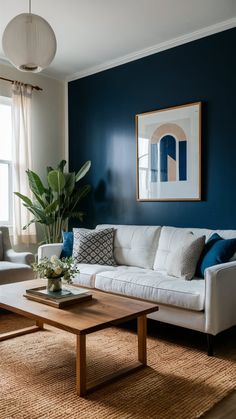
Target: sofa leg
x,y
210,344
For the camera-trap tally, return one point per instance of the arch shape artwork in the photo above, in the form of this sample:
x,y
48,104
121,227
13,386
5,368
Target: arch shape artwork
x,y
168,154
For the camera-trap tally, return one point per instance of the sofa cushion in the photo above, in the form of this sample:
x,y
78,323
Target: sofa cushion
x,y
216,251
154,286
93,246
170,239
135,245
183,262
1,247
14,272
87,272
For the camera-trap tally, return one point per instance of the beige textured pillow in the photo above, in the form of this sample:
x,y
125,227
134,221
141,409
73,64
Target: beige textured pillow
x,y
1,247
183,261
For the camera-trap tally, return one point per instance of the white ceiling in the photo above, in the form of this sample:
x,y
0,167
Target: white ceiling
x,y
96,34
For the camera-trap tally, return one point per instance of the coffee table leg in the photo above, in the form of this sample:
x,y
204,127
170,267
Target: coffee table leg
x,y
81,365
142,339
39,323
81,382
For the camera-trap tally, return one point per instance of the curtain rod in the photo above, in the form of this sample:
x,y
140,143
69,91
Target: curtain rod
x,y
13,81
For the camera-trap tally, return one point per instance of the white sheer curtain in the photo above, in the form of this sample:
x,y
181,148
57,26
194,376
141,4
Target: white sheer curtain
x,y
22,160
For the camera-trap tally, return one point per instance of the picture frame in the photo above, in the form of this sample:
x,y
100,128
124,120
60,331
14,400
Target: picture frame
x,y
168,146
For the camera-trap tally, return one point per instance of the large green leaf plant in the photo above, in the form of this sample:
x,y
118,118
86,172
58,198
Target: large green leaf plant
x,y
52,206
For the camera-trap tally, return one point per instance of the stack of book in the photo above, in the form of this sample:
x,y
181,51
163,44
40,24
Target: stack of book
x,y
58,299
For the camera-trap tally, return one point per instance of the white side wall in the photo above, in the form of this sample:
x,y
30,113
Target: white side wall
x,y
48,117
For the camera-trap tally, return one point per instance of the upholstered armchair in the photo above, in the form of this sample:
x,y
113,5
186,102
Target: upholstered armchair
x,y
14,266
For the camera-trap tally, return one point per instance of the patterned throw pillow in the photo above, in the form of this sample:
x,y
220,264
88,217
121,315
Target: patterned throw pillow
x,y
94,246
184,260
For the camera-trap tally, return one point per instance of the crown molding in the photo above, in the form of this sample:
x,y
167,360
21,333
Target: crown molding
x,y
183,39
180,40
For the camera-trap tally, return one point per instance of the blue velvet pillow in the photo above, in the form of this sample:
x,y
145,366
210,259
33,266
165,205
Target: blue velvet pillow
x,y
67,247
216,251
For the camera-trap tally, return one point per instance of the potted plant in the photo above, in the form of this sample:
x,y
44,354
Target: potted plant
x,y
52,206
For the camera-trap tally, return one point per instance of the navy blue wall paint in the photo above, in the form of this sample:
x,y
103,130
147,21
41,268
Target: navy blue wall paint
x,y
102,110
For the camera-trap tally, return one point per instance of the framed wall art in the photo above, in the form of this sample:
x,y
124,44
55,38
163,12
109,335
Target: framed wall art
x,y
169,154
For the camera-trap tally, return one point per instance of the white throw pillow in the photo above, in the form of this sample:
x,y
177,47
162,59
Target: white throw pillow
x,y
183,262
170,239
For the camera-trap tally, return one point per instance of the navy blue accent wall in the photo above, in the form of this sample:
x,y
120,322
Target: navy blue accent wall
x,y
102,110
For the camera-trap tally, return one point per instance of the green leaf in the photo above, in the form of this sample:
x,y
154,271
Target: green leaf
x,y
82,172
81,194
61,165
56,180
40,214
52,207
49,169
24,198
84,191
29,223
48,195
35,183
40,201
77,214
70,183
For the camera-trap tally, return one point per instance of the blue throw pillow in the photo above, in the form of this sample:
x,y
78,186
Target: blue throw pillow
x,y
216,251
67,247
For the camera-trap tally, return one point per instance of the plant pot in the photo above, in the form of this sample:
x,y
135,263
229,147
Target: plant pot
x,y
54,284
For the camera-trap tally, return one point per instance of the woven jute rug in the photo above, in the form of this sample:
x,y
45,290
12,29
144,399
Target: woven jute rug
x,y
37,376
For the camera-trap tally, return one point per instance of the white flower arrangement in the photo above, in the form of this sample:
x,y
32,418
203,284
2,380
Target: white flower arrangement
x,y
54,268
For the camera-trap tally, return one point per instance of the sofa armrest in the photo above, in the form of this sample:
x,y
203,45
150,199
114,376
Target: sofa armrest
x,y
19,257
220,297
48,250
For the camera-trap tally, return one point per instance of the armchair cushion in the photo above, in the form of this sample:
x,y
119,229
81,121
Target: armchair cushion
x,y
14,266
19,257
14,272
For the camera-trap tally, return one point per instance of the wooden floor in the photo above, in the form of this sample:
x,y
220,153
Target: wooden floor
x,y
226,409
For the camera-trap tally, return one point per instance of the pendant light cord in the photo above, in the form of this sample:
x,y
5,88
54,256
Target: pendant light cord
x,y
29,6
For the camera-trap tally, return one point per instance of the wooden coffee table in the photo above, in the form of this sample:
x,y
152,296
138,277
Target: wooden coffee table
x,y
104,310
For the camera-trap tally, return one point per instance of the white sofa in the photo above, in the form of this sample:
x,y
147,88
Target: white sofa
x,y
207,305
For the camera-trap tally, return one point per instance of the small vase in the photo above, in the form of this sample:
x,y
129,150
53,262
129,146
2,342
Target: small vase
x,y
54,284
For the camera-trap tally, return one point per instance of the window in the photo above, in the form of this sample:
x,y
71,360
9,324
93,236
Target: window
x,y
6,197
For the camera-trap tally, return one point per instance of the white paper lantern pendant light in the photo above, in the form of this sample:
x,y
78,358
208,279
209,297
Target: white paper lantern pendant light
x,y
29,42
